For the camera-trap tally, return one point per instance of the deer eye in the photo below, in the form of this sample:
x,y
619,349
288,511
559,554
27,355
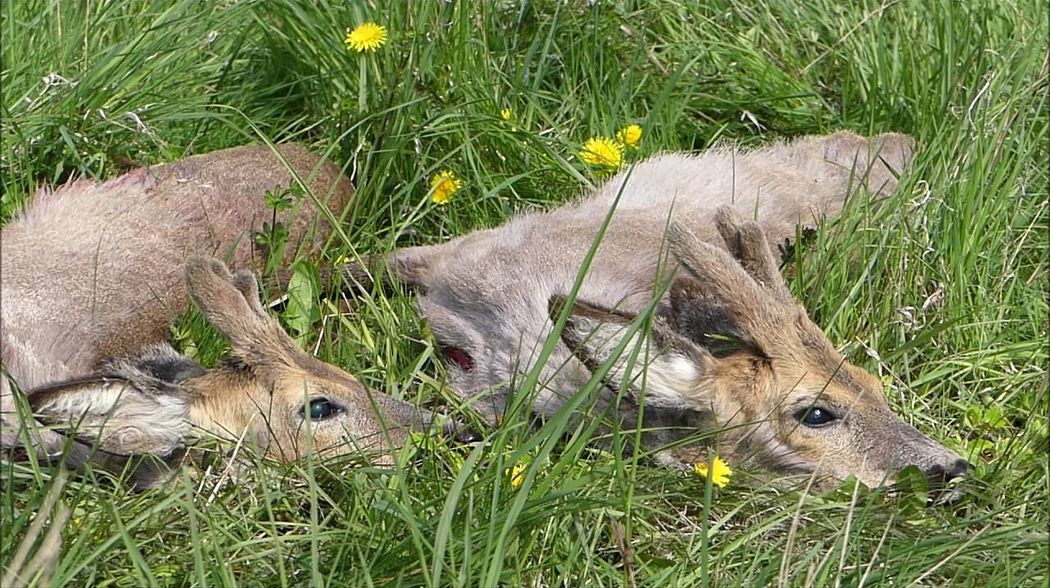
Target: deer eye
x,y
322,408
815,416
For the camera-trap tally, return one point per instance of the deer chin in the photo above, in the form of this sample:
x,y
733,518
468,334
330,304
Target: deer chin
x,y
942,497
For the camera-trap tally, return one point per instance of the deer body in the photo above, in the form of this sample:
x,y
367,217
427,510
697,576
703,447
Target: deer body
x,y
91,277
92,270
491,323
499,317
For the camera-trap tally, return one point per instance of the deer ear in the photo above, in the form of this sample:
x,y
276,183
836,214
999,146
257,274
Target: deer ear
x,y
229,302
667,368
706,320
117,415
413,267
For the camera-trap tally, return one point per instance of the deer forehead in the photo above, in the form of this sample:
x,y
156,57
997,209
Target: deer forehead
x,y
808,361
315,379
832,380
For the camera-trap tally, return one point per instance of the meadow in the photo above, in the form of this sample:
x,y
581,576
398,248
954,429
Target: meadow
x,y
942,292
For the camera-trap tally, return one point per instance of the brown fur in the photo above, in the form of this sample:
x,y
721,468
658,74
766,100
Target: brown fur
x,y
92,271
271,378
785,366
153,403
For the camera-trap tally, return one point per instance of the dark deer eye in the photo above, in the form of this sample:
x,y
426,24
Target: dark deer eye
x,y
321,408
815,416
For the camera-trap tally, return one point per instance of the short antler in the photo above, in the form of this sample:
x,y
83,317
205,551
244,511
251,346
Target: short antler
x,y
719,274
248,286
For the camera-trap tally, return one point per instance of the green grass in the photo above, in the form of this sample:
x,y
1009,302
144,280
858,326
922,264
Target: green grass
x,y
152,80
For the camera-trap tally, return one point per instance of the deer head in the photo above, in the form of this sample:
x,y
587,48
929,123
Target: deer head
x,y
733,345
267,392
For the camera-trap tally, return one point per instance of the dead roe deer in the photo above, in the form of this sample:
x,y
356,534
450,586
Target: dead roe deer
x,y
94,271
734,352
268,393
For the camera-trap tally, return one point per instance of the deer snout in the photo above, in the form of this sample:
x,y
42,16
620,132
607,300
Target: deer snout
x,y
940,479
460,434
941,475
941,466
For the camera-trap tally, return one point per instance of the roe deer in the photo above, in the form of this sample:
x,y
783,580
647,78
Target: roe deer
x,y
92,271
804,409
268,392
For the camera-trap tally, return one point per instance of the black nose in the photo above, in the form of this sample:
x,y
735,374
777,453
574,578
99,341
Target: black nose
x,y
939,475
942,491
959,469
460,434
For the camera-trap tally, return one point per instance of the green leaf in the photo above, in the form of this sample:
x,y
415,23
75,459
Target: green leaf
x,y
302,311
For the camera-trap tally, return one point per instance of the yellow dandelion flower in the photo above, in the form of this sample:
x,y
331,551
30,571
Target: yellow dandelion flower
x,y
602,152
630,136
719,471
443,186
517,474
508,116
367,36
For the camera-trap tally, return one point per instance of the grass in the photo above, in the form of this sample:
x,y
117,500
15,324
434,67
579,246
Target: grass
x,y
942,292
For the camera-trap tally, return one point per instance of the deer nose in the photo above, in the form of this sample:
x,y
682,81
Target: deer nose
x,y
461,435
941,491
959,469
939,475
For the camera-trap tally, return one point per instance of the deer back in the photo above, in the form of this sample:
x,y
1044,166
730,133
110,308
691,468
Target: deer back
x,y
92,270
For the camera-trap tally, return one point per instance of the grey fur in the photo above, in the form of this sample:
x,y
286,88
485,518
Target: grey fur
x,y
92,270
124,409
498,315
